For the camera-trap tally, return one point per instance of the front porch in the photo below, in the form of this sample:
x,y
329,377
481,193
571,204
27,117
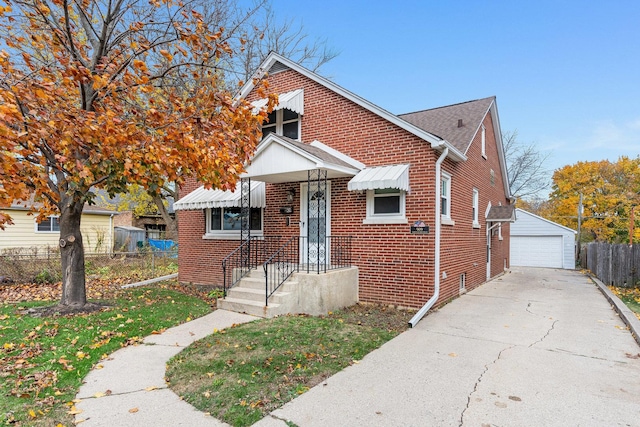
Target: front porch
x,y
271,275
301,293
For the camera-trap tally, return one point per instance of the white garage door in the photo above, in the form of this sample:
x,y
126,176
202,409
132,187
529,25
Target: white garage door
x,y
536,251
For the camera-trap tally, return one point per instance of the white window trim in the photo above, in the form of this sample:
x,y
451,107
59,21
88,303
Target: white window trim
x,y
483,140
445,219
47,231
228,234
394,218
280,122
476,207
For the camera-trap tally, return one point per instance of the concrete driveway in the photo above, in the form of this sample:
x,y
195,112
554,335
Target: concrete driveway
x,y
536,347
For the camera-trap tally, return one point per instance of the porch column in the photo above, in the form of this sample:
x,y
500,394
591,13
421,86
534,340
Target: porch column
x,y
317,219
245,221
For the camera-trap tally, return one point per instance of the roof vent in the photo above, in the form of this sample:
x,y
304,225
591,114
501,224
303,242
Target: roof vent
x,y
459,123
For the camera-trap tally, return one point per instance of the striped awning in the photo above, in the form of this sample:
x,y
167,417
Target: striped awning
x,y
293,101
380,177
202,198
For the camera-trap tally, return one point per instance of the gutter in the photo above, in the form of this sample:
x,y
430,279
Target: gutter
x,y
436,282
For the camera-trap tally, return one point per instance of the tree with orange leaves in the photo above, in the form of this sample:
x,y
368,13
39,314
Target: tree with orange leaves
x,y
609,192
97,94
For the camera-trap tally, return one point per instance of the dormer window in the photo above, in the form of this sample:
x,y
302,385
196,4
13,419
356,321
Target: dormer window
x,y
282,122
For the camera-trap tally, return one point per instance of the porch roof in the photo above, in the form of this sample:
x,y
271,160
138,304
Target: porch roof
x,y
374,178
203,198
501,214
281,159
293,101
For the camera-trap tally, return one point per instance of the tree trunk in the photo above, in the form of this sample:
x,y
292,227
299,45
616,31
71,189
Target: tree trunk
x,y
172,225
72,255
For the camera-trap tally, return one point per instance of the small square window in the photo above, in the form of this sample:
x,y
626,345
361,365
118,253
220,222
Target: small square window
x,y
385,205
282,122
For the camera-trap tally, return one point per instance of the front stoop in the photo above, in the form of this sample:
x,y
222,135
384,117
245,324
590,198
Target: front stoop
x,y
248,296
308,293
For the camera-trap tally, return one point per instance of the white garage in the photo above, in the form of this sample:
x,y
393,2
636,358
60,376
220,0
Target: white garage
x,y
538,242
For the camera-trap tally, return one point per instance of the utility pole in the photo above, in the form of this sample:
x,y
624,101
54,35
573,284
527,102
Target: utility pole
x,y
631,225
579,224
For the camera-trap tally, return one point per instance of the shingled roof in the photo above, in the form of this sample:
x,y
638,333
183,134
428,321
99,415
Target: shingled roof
x,y
456,123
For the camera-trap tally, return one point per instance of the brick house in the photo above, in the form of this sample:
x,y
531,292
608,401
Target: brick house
x,y
409,210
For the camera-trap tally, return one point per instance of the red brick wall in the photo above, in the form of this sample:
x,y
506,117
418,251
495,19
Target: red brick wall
x,y
396,267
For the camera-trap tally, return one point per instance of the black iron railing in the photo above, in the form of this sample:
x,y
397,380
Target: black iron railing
x,y
249,255
280,260
332,254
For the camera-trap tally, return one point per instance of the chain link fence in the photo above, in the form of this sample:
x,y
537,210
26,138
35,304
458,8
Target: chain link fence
x,y
44,266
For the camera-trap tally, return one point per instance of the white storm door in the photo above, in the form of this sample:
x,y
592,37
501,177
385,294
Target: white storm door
x,y
315,224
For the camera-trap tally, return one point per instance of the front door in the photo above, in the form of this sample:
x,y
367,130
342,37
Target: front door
x,y
315,224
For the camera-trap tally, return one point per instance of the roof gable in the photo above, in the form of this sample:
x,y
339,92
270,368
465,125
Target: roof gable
x,y
275,63
525,214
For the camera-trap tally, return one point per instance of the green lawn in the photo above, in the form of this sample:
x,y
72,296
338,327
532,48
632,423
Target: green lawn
x,y
241,374
43,360
630,296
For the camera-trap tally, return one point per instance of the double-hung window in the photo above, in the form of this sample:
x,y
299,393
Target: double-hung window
x,y
445,198
476,223
49,225
226,223
282,122
385,205
483,141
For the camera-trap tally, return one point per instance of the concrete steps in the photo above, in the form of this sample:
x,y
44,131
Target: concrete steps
x,y
248,296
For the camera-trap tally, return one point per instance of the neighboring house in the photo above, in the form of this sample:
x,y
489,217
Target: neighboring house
x,y
538,242
154,226
96,228
409,208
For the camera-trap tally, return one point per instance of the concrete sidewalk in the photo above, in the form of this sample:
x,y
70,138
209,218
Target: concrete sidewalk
x,y
536,347
130,389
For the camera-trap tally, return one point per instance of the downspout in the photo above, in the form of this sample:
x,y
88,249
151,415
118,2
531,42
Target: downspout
x,y
436,282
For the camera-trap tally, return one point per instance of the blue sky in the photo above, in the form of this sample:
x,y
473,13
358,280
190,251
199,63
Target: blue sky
x,y
566,73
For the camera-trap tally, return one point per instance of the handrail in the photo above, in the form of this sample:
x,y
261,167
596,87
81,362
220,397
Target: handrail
x,y
280,261
247,256
284,262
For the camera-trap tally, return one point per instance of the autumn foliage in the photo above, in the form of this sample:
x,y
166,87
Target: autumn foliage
x,y
98,95
609,191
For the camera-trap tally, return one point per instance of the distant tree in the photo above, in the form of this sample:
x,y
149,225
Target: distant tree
x,y
102,94
609,190
535,205
525,167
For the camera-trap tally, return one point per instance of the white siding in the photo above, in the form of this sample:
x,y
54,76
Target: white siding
x,y
533,226
97,233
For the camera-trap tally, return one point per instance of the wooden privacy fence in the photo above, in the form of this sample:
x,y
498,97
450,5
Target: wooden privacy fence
x,y
617,265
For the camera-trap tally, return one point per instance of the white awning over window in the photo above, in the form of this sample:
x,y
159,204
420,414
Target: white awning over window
x,y
380,177
293,101
204,199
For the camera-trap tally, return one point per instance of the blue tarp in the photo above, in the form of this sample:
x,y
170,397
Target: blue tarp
x,y
162,245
